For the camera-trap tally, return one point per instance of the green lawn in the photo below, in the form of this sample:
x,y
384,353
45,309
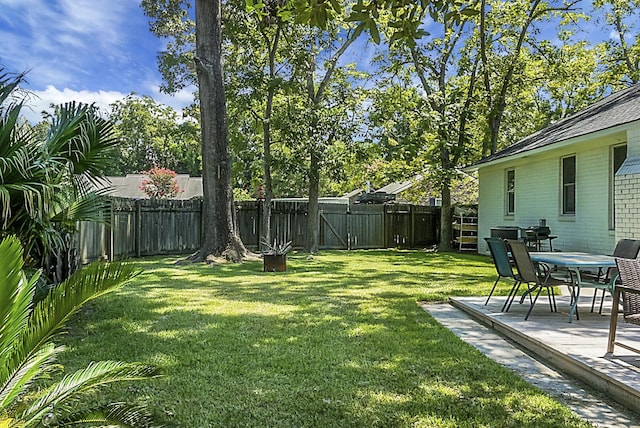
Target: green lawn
x,y
337,341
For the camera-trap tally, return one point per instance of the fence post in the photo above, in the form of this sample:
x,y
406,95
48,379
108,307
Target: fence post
x,y
138,227
412,226
112,225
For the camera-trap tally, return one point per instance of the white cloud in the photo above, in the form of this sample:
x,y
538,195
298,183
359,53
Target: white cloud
x,y
40,101
614,35
75,43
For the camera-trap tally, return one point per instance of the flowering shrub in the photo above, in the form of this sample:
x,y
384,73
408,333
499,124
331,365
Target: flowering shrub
x,y
161,183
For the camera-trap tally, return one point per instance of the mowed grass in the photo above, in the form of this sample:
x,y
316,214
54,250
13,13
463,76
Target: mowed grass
x,y
336,341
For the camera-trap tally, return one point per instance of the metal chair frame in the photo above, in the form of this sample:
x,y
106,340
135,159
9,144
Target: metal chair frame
x,y
629,290
539,275
625,248
502,263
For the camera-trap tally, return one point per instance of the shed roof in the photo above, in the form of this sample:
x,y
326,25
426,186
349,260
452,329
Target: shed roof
x,y
397,187
616,109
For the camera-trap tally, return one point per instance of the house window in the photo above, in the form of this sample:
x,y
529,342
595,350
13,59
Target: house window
x,y
510,201
618,156
569,185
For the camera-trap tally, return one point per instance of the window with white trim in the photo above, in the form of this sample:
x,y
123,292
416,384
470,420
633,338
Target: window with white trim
x,y
618,155
510,192
569,185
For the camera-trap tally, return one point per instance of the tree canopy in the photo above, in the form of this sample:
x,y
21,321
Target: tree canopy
x,y
450,82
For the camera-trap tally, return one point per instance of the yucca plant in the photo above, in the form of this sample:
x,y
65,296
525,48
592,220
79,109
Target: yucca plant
x,y
27,351
275,249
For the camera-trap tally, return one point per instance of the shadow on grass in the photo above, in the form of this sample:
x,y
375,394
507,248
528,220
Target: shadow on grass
x,y
336,341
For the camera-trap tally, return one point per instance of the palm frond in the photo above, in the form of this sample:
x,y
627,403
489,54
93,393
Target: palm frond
x,y
89,378
50,314
9,121
82,139
24,181
89,207
38,235
15,299
102,138
25,373
19,155
8,83
113,415
65,126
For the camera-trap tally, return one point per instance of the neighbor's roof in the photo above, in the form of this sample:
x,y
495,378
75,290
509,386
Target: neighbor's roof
x,y
129,186
399,186
617,109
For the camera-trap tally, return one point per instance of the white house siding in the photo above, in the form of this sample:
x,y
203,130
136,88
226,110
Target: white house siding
x,y
537,195
633,142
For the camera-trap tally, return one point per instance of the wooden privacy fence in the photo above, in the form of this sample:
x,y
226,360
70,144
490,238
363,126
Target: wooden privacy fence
x,y
143,227
344,226
156,227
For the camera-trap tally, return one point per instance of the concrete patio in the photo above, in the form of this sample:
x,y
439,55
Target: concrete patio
x,y
576,349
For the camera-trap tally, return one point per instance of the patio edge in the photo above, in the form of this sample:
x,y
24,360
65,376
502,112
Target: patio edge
x,y
616,390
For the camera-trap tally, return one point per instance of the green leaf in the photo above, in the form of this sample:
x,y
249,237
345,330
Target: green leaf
x,y
336,6
469,12
321,19
373,30
96,374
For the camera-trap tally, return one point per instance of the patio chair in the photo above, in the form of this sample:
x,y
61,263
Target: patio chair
x,y
536,277
629,288
625,248
500,256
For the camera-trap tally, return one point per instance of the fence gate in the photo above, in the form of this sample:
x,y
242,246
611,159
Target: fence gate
x,y
398,225
334,226
366,226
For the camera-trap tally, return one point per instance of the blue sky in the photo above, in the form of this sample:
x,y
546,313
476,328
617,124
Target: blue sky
x,y
84,50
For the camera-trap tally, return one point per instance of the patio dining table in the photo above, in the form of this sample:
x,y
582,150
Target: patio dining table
x,y
574,262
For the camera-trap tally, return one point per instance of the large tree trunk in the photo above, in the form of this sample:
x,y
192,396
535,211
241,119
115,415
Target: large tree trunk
x,y
311,246
219,234
266,130
266,165
445,218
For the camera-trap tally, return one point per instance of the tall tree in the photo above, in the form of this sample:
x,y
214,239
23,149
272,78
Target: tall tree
x,y
623,64
220,237
505,28
316,80
194,57
256,78
448,83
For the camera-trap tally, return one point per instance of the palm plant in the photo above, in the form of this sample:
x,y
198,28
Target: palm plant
x,y
27,351
45,180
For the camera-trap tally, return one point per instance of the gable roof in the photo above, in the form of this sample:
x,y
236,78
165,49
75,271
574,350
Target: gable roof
x,y
616,109
129,186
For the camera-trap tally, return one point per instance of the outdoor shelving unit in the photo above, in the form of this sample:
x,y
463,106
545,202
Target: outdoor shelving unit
x,y
465,232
